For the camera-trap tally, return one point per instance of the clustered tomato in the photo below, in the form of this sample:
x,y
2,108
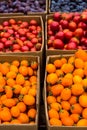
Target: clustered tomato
x,y
20,36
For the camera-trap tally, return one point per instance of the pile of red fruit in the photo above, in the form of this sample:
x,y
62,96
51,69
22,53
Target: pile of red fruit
x,y
67,31
20,36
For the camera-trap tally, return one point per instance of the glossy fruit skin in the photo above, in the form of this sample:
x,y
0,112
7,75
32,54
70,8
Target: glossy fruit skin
x,y
58,44
25,7
54,26
16,36
70,28
68,6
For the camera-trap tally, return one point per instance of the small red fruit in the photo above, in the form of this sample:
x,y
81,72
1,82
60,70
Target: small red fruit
x,y
54,26
24,48
34,41
60,35
71,46
58,44
33,22
1,46
72,26
79,32
68,35
57,16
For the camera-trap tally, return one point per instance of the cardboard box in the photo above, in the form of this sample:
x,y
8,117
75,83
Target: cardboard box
x,y
55,51
51,59
10,58
49,5
28,18
43,14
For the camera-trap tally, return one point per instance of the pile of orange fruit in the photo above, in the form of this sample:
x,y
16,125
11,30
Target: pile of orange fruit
x,y
67,90
18,88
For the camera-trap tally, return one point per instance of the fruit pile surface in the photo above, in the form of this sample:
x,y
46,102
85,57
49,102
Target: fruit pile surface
x,y
18,89
67,31
22,6
20,36
68,5
67,90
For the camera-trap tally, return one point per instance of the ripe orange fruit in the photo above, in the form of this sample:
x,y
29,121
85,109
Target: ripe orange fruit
x,y
77,89
15,121
23,91
50,68
71,60
34,65
21,106
33,79
73,100
30,71
79,63
56,106
65,105
59,73
2,83
83,101
17,88
79,72
16,63
76,109
66,82
15,112
32,113
32,91
5,115
20,79
52,113
10,82
29,100
14,68
9,102
52,78
77,79
63,113
81,54
23,70
24,63
84,113
58,63
23,118
67,121
84,82
59,99
65,94
11,74
4,69
8,91
75,117
67,68
51,99
82,122
56,89
63,60
55,122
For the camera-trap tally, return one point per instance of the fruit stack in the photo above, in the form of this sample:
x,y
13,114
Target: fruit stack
x,y
67,5
21,34
66,31
66,90
24,6
19,90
